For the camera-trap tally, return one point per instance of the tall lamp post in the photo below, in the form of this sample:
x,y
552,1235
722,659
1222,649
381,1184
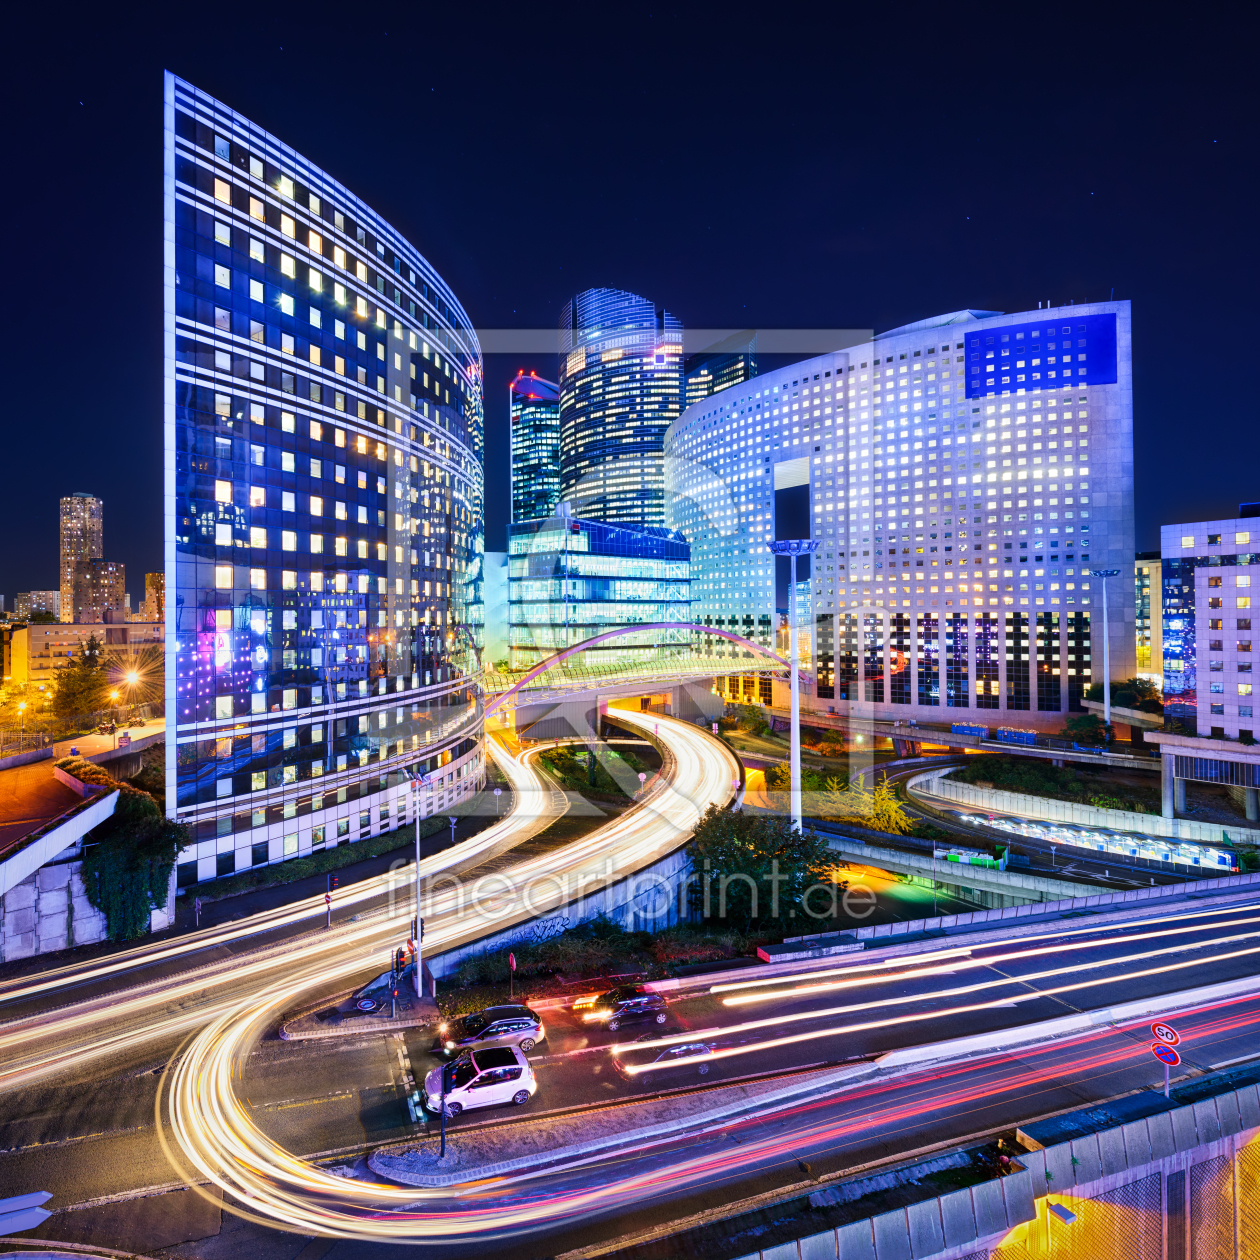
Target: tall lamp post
x,y
792,548
1104,574
417,779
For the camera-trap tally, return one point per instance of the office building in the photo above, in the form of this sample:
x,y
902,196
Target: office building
x,y
571,579
620,388
962,476
82,538
98,586
730,362
1210,569
28,603
324,522
153,606
1148,616
534,426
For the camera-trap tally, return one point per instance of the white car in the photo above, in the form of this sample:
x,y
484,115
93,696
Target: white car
x,y
481,1078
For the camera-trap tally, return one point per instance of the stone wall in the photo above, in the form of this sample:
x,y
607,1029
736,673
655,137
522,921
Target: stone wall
x,y
47,911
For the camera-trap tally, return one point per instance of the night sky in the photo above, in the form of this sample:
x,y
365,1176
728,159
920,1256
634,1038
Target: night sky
x,y
772,167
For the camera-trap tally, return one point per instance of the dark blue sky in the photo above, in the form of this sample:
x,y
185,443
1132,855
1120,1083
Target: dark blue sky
x,y
778,166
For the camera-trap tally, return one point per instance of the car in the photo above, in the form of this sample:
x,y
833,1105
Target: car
x,y
672,1060
493,1026
480,1078
626,1004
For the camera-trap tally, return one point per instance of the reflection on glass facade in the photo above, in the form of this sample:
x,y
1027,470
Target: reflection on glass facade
x,y
324,505
620,389
730,362
534,419
571,579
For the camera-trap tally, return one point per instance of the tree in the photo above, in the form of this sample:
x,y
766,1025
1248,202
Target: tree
x,y
750,868
1086,728
1133,693
81,685
878,809
42,617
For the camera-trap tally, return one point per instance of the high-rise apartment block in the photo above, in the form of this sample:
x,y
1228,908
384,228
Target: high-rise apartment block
x,y
962,476
28,603
1211,574
98,587
730,362
153,608
82,538
324,518
620,388
534,420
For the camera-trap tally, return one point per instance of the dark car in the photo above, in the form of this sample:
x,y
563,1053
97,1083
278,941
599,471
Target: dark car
x,y
626,1004
494,1026
692,1057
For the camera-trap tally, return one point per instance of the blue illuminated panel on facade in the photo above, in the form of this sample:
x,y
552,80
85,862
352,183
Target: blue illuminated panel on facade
x,y
1018,357
324,505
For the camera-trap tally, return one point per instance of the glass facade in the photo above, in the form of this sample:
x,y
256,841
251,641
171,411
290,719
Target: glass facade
x,y
620,388
534,419
730,362
324,505
570,579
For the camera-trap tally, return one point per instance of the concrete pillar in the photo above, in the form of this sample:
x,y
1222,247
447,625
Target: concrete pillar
x,y
1179,795
1166,783
1253,804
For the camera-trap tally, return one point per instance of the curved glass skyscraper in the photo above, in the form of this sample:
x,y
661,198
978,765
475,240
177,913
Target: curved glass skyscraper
x,y
534,425
621,386
323,505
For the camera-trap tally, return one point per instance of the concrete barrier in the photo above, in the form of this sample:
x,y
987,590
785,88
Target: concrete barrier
x,y
934,783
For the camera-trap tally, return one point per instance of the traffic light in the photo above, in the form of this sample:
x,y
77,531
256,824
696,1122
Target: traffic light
x,y
400,959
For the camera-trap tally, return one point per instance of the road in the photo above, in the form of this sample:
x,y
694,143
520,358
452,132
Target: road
x,y
845,1011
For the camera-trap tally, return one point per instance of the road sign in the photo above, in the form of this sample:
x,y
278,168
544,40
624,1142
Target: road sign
x,y
715,728
328,899
1165,1054
366,1004
1169,1036
512,961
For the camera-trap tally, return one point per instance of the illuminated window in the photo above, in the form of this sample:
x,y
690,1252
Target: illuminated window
x,y
223,579
223,492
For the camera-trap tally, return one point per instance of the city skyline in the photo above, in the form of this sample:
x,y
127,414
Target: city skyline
x,y
714,261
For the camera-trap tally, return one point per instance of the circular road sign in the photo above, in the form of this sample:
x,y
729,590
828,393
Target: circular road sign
x,y
1165,1054
366,1004
1169,1036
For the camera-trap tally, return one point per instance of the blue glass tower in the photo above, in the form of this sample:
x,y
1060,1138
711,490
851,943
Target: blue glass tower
x,y
621,386
534,420
323,505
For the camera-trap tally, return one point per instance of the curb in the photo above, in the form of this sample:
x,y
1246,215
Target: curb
x,y
384,1164
1162,1004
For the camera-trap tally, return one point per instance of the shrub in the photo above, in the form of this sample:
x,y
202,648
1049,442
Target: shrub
x,y
878,809
87,772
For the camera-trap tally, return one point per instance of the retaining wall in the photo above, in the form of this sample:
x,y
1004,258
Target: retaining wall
x,y
935,784
48,910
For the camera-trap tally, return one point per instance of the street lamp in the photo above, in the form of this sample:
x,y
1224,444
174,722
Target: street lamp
x,y
792,548
1104,574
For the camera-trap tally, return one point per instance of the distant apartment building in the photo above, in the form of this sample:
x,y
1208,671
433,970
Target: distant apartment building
x,y
1148,622
729,362
153,606
82,538
534,427
28,603
99,586
1211,570
37,651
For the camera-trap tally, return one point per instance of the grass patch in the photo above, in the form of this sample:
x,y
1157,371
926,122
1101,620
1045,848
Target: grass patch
x,y
317,864
1041,778
575,774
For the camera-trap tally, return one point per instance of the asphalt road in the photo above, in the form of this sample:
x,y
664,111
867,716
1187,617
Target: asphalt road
x,y
95,1136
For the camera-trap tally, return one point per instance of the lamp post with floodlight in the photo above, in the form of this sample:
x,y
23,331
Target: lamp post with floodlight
x,y
792,548
1104,574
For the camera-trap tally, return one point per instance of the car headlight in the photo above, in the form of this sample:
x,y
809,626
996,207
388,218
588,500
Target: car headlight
x,y
450,1045
442,1028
